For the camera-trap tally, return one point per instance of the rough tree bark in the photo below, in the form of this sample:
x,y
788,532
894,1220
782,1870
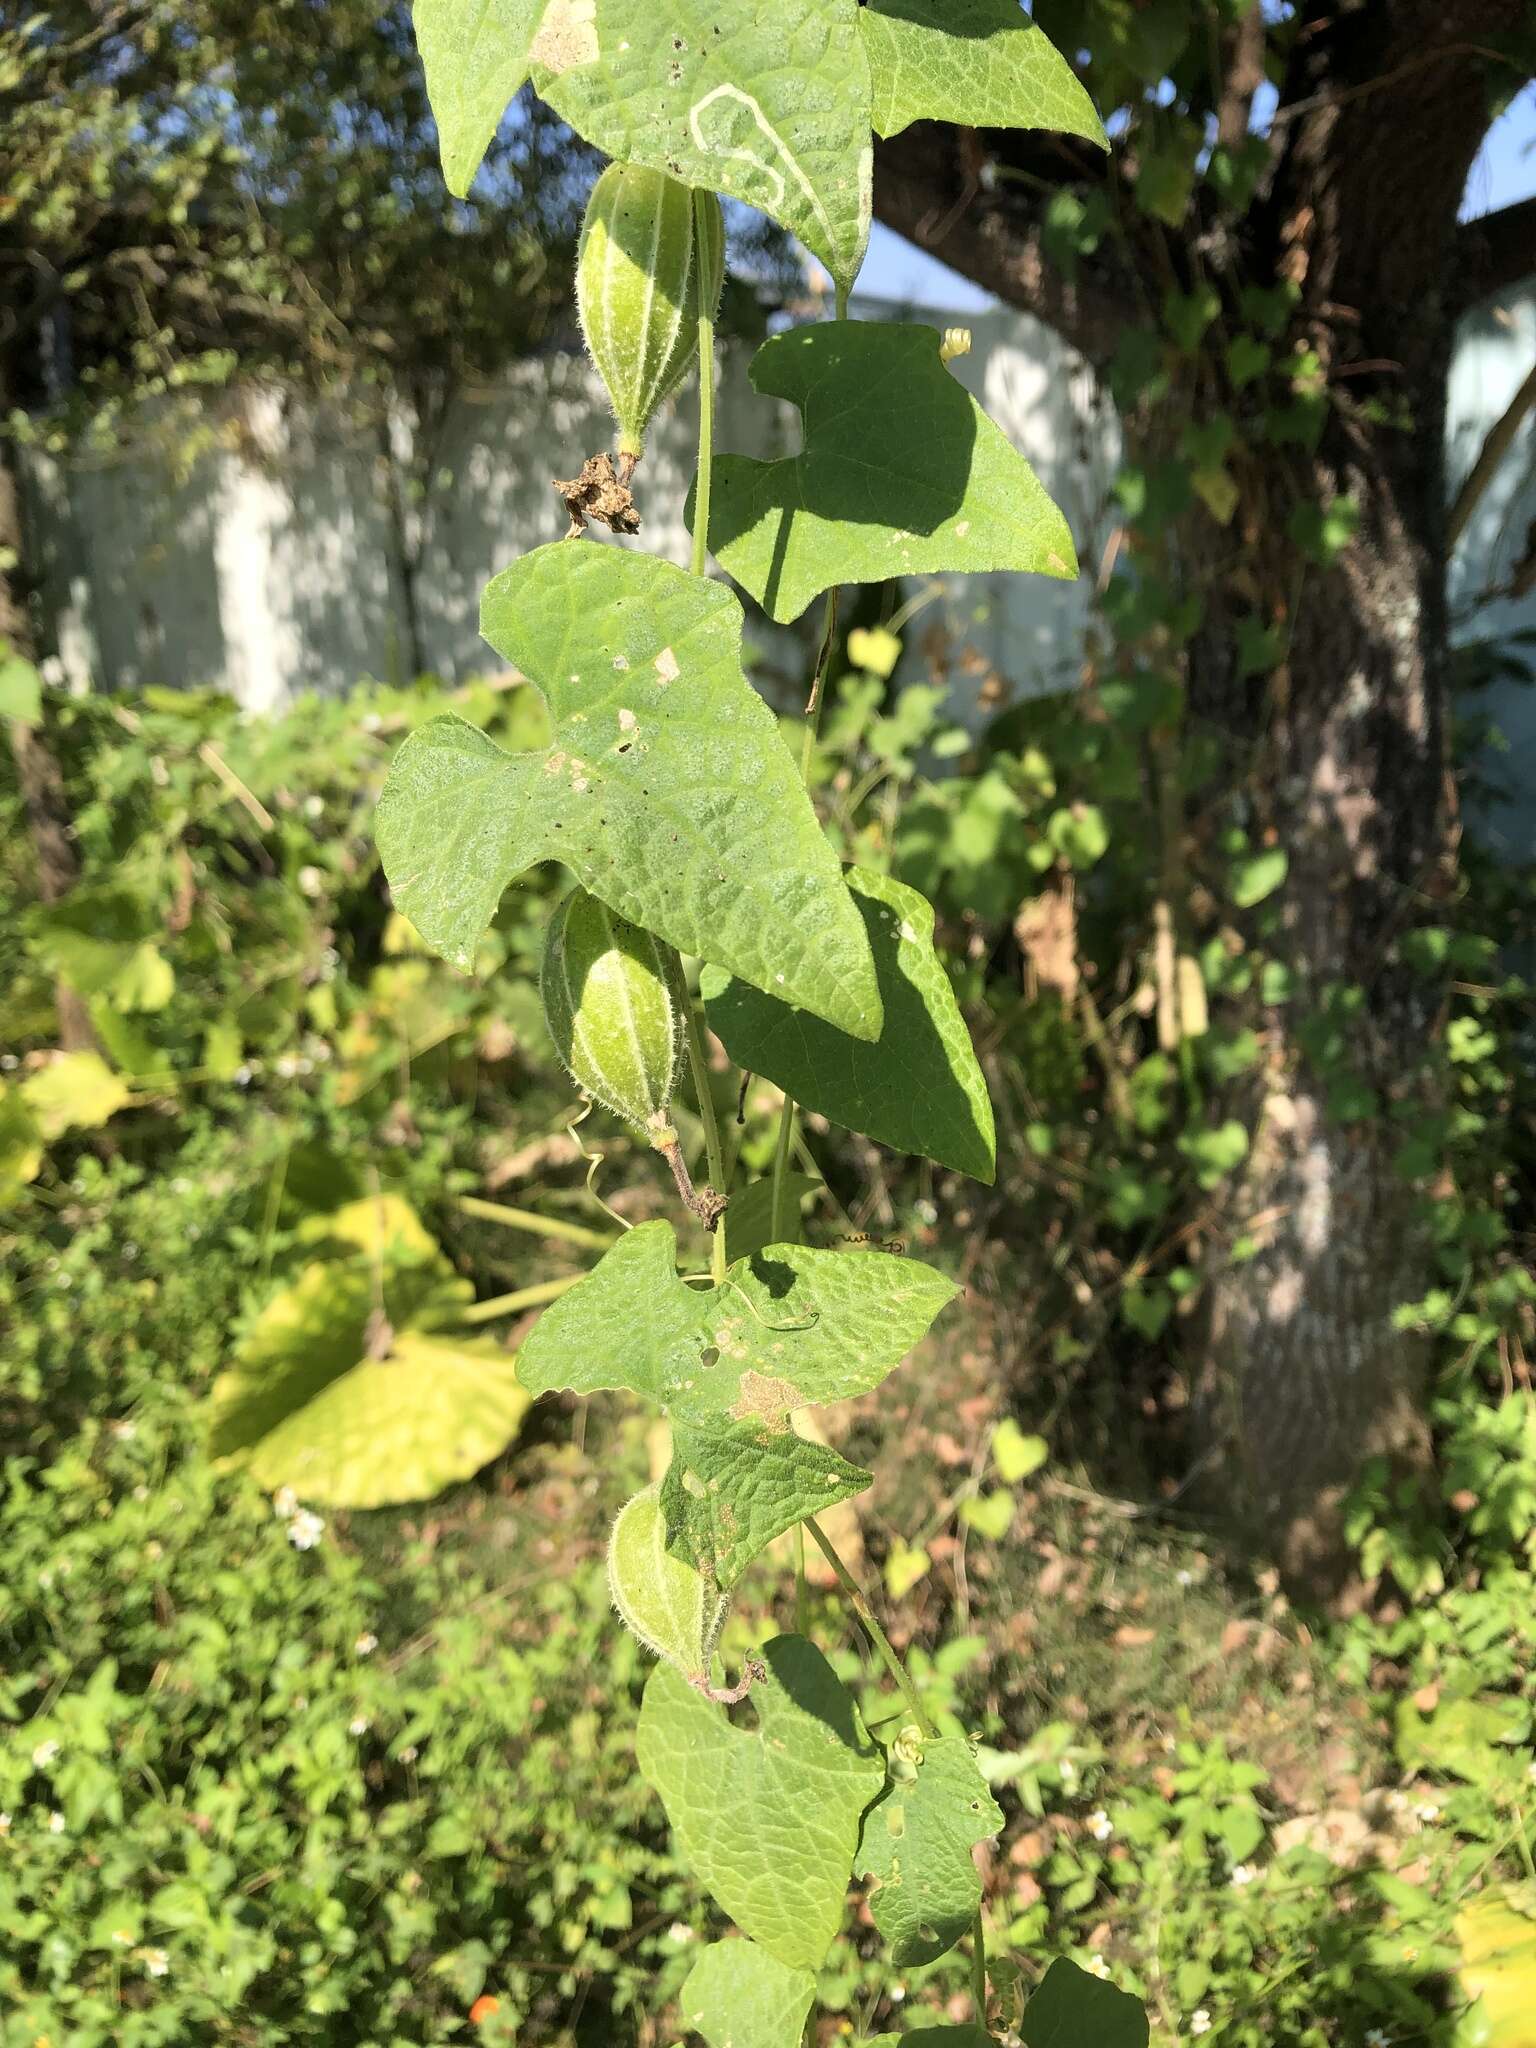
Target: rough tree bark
x,y
1301,1371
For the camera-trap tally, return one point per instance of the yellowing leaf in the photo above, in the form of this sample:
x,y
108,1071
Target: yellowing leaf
x,y
1497,1932
78,1091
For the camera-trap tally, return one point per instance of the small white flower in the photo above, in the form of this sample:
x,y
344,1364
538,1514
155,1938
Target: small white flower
x,y
1068,1771
125,1432
285,1503
926,1212
314,807
8,1062
681,1931
305,1529
409,1754
1100,1826
1377,2037
1427,1812
1200,2021
1099,1968
156,1962
5,1825
366,1644
243,1074
1243,1873
1186,1577
55,1823
285,1068
359,1725
44,1755
896,1993
311,881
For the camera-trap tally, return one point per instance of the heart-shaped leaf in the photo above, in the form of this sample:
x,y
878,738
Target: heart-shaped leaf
x,y
476,55
354,1409
78,1091
666,789
918,1088
1071,2008
766,101
799,1780
790,1327
981,63
739,1996
916,1846
902,474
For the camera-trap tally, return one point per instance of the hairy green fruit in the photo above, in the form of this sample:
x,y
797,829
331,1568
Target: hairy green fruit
x,y
609,1003
643,277
663,1600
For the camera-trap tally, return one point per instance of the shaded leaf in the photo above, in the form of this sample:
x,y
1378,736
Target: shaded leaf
x,y
919,1087
799,1780
980,63
665,780
1073,2010
766,101
739,1996
902,474
749,1219
916,1846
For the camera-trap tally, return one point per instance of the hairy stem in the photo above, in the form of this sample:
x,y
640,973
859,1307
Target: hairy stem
x,y
698,1066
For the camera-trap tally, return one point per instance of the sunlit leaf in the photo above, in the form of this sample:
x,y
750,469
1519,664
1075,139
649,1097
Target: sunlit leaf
x,y
766,101
739,1996
902,474
666,782
78,1091
916,1846
799,1779
980,63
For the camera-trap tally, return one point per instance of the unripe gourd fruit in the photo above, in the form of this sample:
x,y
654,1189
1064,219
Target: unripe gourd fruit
x,y
644,275
608,990
661,1598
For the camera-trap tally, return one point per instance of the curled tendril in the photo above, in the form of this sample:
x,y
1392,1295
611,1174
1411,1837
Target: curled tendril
x,y
708,1280
592,1161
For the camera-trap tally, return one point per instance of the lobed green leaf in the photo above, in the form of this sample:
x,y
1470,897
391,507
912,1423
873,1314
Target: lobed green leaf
x,y
739,1996
919,1087
765,101
767,1817
980,63
916,1846
666,788
902,474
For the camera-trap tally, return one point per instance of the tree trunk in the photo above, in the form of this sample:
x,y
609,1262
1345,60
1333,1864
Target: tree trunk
x,y
1300,1368
37,770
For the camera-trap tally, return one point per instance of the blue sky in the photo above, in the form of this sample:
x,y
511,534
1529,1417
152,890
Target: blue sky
x,y
1504,172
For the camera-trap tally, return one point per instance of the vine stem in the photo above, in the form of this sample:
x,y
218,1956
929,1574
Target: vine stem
x,y
525,1297
779,1216
698,1066
701,200
534,1224
854,1593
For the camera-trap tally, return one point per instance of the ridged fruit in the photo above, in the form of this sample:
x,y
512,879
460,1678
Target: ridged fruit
x,y
641,272
608,990
663,1600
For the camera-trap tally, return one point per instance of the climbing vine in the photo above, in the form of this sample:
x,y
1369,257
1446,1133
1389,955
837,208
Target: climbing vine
x,y
668,792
